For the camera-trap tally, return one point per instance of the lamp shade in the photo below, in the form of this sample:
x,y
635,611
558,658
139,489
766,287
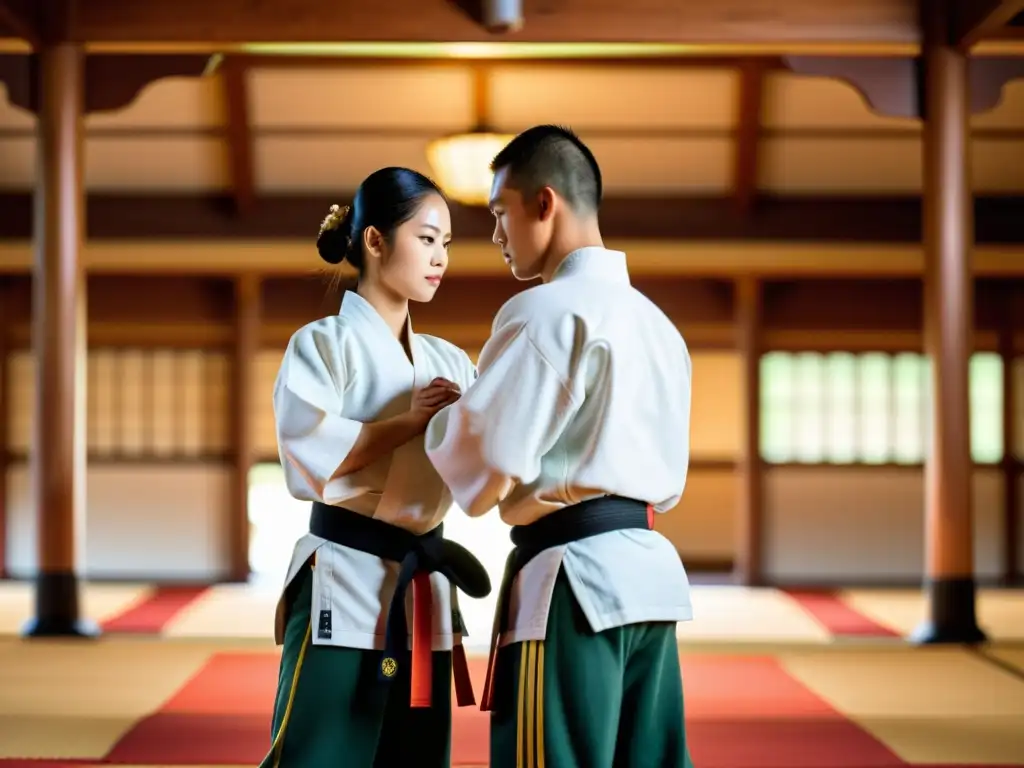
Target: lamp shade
x,y
462,165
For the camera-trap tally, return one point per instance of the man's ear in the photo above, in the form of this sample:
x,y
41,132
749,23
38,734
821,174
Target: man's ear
x,y
546,201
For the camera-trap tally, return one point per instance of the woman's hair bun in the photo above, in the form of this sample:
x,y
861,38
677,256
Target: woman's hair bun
x,y
335,236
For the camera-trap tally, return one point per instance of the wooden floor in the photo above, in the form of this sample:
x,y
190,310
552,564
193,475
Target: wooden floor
x,y
185,677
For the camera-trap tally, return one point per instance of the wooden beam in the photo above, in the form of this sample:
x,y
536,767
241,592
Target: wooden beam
x,y
750,528
748,129
4,414
110,82
436,21
16,16
58,461
697,60
977,20
482,97
247,335
239,138
948,232
893,219
889,85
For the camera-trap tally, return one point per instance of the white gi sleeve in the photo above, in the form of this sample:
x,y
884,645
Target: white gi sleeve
x,y
468,372
496,434
313,438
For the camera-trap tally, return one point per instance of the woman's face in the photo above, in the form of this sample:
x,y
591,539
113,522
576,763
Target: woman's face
x,y
412,264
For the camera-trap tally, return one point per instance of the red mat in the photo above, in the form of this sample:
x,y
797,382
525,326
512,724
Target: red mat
x,y
153,613
837,616
750,713
741,713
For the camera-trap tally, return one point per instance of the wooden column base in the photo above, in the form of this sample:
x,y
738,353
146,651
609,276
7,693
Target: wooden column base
x,y
951,614
57,613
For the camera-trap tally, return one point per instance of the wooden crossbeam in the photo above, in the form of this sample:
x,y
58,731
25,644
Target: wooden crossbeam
x,y
15,16
977,20
745,162
239,138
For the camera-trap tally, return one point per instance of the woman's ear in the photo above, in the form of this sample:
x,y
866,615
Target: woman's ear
x,y
373,243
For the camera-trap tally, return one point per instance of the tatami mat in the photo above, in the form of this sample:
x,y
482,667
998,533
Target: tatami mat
x,y
1000,612
929,705
149,702
99,602
75,699
749,615
228,610
722,614
1011,657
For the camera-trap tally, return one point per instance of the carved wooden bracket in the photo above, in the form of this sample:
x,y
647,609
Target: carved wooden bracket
x,y
889,86
112,82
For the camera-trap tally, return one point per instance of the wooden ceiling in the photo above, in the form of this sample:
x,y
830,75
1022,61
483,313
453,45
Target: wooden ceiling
x,y
722,22
706,129
730,135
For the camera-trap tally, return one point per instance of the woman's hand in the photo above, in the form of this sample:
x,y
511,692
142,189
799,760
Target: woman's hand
x,y
438,394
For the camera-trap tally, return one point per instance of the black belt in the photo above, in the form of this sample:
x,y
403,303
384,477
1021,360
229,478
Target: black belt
x,y
564,526
428,552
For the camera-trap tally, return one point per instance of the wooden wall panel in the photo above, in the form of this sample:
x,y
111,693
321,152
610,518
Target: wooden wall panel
x,y
700,98
1018,393
432,97
297,301
159,299
264,432
877,305
859,525
191,391
475,301
716,425
873,305
163,395
145,522
17,299
216,394
132,410
20,401
132,414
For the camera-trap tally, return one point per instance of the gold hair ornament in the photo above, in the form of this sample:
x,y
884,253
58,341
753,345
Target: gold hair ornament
x,y
334,218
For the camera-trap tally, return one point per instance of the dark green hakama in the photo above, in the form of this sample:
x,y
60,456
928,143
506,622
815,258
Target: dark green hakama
x,y
332,710
580,699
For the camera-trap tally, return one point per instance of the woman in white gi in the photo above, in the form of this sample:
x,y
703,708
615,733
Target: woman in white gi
x,y
352,399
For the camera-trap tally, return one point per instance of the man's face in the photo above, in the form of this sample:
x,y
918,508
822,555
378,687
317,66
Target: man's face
x,y
520,230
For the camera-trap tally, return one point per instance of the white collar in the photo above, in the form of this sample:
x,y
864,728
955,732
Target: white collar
x,y
355,307
594,262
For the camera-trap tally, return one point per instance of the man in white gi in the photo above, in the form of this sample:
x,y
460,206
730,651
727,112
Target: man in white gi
x,y
577,429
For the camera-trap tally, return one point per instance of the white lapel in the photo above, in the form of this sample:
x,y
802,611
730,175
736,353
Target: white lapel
x,y
411,473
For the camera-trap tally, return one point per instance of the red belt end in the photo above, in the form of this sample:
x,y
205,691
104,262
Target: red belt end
x,y
464,695
421,664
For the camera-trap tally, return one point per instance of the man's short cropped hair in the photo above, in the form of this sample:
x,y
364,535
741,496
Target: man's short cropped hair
x,y
552,156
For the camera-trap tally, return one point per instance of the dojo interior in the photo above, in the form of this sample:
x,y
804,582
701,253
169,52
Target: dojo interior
x,y
772,212
843,396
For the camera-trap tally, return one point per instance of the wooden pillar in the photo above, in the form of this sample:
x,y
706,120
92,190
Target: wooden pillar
x,y
58,454
1010,465
5,388
747,568
247,330
949,319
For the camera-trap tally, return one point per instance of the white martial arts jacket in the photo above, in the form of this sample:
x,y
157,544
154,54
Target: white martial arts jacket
x,y
583,390
337,373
